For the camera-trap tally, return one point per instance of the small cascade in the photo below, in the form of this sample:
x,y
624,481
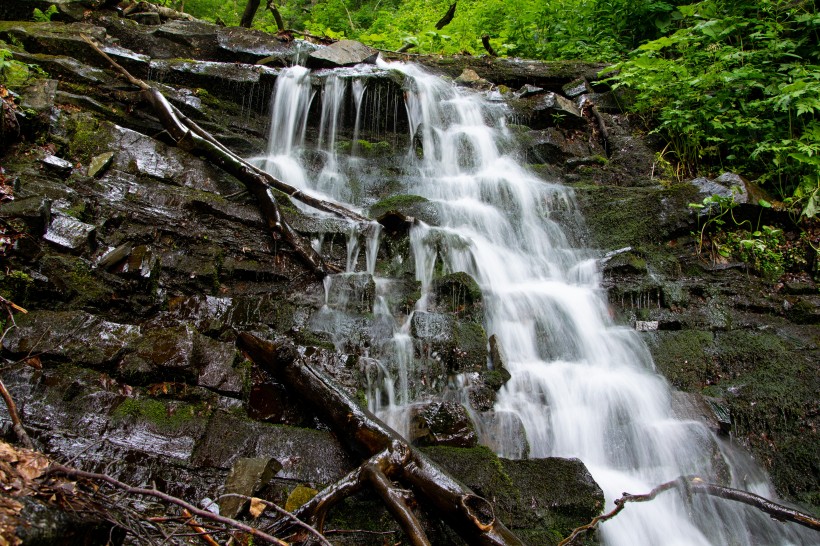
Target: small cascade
x,y
581,385
331,179
358,95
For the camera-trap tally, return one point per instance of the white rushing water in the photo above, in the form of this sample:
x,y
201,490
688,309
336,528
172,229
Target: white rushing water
x,y
581,385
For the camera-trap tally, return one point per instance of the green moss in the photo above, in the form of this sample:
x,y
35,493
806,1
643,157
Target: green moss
x,y
165,415
15,286
395,203
84,140
299,496
681,356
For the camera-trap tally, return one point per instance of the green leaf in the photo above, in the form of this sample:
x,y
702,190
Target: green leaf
x,y
763,203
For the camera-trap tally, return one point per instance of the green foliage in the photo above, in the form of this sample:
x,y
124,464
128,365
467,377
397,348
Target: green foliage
x,y
44,16
15,73
737,87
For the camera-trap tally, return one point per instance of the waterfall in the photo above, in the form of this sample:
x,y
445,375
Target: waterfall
x,y
581,385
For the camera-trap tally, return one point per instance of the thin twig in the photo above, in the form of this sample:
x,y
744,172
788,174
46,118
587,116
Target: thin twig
x,y
16,423
283,512
694,484
72,472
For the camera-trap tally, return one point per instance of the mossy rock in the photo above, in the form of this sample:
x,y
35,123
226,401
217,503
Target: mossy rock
x,y
164,415
458,293
541,500
681,356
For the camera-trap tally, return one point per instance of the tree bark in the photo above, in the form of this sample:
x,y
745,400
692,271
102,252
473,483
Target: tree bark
x,y
249,13
365,435
485,41
280,24
444,21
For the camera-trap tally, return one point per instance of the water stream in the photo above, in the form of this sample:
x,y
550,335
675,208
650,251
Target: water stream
x,y
581,385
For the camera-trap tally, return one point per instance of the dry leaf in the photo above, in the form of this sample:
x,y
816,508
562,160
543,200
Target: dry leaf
x,y
257,507
34,362
32,465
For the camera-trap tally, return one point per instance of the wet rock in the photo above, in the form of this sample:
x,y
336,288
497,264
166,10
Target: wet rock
x,y
619,217
39,96
458,293
75,336
308,456
459,345
217,371
342,53
169,351
731,185
69,233
691,406
469,78
503,432
270,401
99,163
541,500
247,477
441,424
148,18
552,146
548,110
199,36
498,359
397,213
57,165
351,291
249,45
528,90
66,68
576,88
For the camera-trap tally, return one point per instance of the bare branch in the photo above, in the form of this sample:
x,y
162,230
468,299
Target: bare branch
x,y
16,423
205,514
694,484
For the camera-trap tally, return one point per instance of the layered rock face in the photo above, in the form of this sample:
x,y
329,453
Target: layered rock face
x,y
139,263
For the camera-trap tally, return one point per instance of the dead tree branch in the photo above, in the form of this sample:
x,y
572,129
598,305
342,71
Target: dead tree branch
x,y
16,422
249,13
485,41
170,499
695,485
192,138
444,21
365,435
280,24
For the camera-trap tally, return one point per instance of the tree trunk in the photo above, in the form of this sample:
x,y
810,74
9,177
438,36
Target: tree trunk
x,y
249,13
365,435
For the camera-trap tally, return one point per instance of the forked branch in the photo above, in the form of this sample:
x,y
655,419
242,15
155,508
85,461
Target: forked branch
x,y
695,485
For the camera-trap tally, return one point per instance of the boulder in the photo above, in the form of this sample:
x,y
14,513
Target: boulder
x,y
342,53
470,78
247,477
441,424
461,346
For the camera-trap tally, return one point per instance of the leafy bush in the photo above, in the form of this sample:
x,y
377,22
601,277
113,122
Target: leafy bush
x,y
737,86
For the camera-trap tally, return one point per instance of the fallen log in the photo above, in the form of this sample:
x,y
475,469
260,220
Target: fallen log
x,y
387,456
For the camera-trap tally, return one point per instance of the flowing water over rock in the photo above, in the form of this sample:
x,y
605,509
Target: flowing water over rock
x,y
581,386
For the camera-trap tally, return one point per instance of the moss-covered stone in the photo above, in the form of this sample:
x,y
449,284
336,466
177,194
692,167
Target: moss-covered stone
x,y
166,415
681,356
401,203
541,500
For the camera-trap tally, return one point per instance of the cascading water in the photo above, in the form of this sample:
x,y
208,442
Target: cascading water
x,y
581,386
